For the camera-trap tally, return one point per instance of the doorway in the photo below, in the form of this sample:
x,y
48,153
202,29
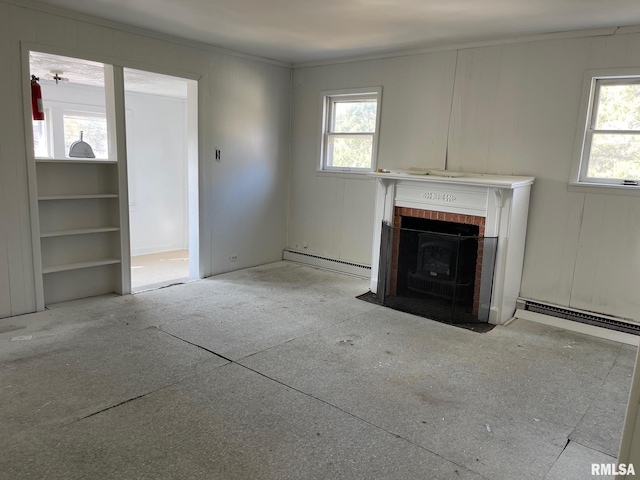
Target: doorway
x,y
161,125
82,212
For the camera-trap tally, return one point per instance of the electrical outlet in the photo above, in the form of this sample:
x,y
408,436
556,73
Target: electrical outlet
x,y
218,154
233,258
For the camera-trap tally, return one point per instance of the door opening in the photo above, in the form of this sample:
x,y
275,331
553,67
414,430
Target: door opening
x,y
162,178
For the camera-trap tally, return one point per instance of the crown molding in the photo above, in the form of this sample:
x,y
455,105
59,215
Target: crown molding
x,y
62,12
593,32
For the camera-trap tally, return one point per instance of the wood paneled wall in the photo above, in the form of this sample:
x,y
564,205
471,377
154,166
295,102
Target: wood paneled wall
x,y
503,109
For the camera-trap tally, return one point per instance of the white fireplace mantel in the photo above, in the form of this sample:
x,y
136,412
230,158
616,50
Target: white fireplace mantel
x,y
502,200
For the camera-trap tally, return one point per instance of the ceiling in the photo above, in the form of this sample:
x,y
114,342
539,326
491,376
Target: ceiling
x,y
303,31
85,72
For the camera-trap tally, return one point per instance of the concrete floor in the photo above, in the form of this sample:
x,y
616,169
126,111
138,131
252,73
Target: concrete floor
x,y
278,372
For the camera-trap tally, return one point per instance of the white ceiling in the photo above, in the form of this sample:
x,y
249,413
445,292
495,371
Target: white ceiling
x,y
85,72
299,31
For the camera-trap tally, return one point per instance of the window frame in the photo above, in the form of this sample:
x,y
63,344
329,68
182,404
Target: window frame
x,y
56,110
88,111
328,99
593,80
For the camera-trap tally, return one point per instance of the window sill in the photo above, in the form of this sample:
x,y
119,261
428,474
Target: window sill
x,y
74,160
604,188
344,174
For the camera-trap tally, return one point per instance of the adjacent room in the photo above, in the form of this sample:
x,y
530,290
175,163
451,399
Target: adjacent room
x,y
243,240
157,109
72,141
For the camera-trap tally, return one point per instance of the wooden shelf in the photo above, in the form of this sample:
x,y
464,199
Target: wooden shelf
x,y
79,223
77,266
79,231
77,197
75,160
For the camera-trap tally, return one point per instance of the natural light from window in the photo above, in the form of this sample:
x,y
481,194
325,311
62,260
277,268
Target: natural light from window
x,y
350,131
615,151
609,148
94,132
41,137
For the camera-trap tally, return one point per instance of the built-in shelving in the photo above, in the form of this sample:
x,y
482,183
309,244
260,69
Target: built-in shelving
x,y
79,227
79,231
78,197
79,265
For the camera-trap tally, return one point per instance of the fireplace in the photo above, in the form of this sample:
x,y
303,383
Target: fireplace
x,y
452,247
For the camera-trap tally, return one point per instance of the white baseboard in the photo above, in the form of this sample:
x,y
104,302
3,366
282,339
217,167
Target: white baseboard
x,y
341,266
578,327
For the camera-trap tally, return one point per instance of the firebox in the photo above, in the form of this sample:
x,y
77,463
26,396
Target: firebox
x,y
437,257
440,269
445,266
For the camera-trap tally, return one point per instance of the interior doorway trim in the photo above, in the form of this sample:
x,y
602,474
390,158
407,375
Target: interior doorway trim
x,y
196,156
166,108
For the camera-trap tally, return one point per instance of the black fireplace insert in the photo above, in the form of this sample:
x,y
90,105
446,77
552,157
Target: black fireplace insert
x,y
436,269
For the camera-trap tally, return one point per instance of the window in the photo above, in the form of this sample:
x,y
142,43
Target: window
x,y
53,137
351,120
608,149
94,131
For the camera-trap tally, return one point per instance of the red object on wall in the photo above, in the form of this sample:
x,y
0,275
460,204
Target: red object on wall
x,y
36,99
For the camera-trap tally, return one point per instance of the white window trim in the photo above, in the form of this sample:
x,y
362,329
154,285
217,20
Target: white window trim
x,y
48,123
579,182
325,99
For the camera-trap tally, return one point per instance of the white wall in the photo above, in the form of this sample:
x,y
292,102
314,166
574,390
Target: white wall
x,y
157,166
243,108
514,110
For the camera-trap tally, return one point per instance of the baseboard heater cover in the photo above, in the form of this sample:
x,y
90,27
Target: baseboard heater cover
x,y
581,316
342,266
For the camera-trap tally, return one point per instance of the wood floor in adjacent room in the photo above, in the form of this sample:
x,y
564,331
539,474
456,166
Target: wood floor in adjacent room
x,y
157,269
279,372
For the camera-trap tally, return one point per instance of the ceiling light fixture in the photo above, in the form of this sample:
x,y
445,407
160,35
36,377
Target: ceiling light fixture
x,y
56,75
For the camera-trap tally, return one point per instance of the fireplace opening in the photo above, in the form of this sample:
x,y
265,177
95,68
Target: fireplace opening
x,y
437,258
438,269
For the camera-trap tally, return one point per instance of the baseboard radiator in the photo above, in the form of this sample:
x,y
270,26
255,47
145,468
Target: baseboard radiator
x,y
581,316
341,266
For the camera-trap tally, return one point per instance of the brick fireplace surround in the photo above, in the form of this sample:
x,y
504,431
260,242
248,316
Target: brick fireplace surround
x,y
400,212
498,204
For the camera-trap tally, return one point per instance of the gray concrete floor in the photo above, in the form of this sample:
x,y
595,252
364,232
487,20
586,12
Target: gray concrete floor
x,y
279,372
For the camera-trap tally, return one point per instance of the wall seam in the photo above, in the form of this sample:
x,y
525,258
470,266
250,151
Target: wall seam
x,y
575,258
453,93
289,163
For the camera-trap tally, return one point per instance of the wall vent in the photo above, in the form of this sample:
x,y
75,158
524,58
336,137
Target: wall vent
x,y
588,318
342,266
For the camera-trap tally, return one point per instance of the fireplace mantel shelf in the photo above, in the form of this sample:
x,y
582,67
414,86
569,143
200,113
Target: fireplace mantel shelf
x,y
479,179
